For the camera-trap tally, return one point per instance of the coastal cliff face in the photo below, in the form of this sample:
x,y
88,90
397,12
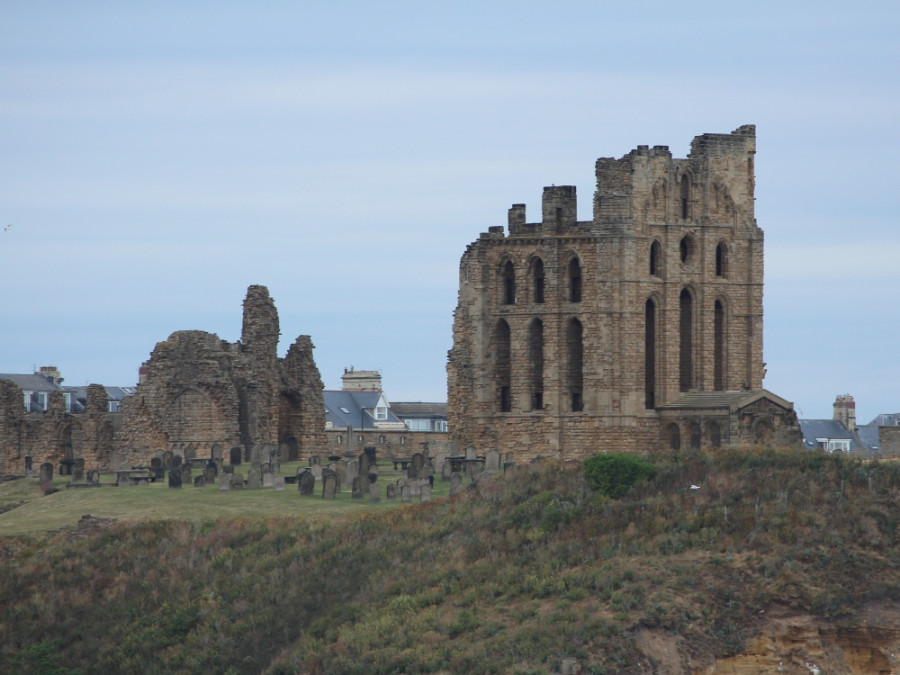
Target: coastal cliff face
x,y
792,642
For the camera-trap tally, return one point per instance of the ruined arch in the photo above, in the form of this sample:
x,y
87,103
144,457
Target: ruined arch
x,y
508,277
655,258
685,196
719,348
650,352
536,363
538,280
722,260
686,340
574,277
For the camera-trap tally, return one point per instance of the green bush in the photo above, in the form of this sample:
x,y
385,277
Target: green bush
x,y
613,473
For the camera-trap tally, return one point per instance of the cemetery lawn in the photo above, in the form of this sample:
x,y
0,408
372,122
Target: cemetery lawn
x,y
41,513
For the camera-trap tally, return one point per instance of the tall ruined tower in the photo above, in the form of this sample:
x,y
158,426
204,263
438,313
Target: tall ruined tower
x,y
636,330
258,362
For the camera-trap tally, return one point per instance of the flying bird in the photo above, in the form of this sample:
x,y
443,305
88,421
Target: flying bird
x,y
7,227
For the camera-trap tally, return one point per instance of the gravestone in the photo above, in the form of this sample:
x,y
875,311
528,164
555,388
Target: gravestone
x,y
186,475
175,479
156,468
29,467
268,480
278,483
437,463
472,470
446,471
256,455
360,484
200,481
405,493
425,493
416,467
228,468
237,481
492,462
456,484
46,473
363,464
236,455
317,471
352,471
314,460
306,482
78,470
329,484
225,482
253,479
391,492
374,492
340,467
211,465
210,473
176,461
217,451
93,476
167,460
471,452
275,458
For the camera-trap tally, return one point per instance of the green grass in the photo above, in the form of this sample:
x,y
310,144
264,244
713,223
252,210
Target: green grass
x,y
157,501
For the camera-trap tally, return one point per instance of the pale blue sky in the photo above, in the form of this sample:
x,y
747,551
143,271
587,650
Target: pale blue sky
x,y
158,158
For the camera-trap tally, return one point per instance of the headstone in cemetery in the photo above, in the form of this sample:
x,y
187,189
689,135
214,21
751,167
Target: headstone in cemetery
x,y
268,480
217,451
236,455
93,476
212,465
186,475
210,473
306,482
446,471
456,484
78,470
275,458
316,470
314,460
416,467
492,462
363,464
391,492
256,455
253,479
46,474
329,484
174,479
278,483
237,481
156,468
167,459
225,481
177,460
341,468
360,484
190,452
405,495
425,493
471,452
374,492
351,472
200,481
437,463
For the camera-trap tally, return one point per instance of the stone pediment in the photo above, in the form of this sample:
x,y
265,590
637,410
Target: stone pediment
x,y
755,401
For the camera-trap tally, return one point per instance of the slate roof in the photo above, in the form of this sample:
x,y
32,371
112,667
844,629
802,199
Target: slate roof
x,y
886,420
419,409
32,382
353,409
868,435
732,400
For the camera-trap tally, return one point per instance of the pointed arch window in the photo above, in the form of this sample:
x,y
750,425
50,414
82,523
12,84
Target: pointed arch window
x,y
537,278
509,283
685,197
721,260
574,280
650,354
536,363
655,258
719,346
575,364
686,335
502,369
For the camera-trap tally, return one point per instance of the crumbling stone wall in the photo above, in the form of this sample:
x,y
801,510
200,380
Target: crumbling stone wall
x,y
569,335
196,391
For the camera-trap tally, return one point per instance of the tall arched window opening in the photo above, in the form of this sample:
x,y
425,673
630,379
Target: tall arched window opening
x,y
650,354
575,364
574,280
509,283
537,271
502,369
655,255
721,260
719,347
536,363
685,197
686,347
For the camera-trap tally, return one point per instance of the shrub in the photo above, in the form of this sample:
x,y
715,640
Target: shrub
x,y
613,473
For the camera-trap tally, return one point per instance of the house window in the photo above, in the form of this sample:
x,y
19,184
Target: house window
x,y
112,406
381,413
68,397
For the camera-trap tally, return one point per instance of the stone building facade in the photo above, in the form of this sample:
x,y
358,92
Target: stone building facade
x,y
638,330
197,393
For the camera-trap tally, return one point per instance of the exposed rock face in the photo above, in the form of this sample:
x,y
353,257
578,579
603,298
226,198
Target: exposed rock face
x,y
196,391
571,337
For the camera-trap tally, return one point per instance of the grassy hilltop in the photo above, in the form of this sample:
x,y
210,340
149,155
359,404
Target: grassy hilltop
x,y
512,577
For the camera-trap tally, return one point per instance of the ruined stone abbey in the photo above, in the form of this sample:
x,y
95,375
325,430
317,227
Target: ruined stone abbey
x,y
640,329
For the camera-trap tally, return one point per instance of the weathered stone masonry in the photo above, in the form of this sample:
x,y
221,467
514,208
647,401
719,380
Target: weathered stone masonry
x,y
571,337
196,392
